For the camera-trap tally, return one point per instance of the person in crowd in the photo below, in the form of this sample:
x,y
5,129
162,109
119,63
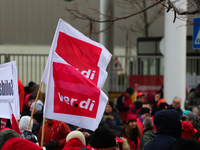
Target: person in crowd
x,y
196,110
23,126
193,119
124,102
161,92
54,134
103,139
137,106
37,122
29,88
145,113
176,103
112,118
148,133
75,140
184,113
29,99
38,106
186,144
169,128
7,134
150,98
17,143
131,132
193,99
41,95
188,130
163,106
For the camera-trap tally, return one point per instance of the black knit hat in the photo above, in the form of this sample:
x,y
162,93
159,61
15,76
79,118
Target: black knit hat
x,y
145,110
163,106
29,136
103,138
38,117
129,91
110,103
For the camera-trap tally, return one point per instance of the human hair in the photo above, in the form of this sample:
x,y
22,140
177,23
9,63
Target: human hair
x,y
177,97
147,123
128,131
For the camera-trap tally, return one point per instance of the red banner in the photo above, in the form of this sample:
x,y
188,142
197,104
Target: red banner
x,y
146,83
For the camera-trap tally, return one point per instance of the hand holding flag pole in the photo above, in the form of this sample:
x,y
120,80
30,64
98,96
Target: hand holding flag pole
x,y
34,106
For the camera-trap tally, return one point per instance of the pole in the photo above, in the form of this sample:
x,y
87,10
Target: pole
x,y
34,106
106,37
42,139
175,57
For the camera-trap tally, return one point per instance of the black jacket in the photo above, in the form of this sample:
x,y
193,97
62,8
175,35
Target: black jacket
x,y
168,127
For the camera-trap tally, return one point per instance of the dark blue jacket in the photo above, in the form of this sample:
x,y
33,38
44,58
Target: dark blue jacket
x,y
178,110
168,127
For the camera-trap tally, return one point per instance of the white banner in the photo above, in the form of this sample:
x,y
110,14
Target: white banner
x,y
9,90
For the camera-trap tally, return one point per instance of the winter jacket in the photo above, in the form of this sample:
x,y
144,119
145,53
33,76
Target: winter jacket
x,y
73,144
148,135
6,135
123,104
61,135
17,143
192,100
178,110
168,127
131,142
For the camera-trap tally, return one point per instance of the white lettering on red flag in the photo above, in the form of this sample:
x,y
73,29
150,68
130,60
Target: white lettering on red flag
x,y
74,74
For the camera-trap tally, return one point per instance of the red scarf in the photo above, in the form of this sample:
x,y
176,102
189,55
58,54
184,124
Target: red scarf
x,y
73,144
54,130
3,123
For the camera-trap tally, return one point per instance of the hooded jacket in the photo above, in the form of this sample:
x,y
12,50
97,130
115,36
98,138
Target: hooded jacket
x,y
168,127
123,104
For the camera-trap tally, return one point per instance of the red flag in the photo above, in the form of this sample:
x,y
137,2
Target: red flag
x,y
3,123
13,120
74,73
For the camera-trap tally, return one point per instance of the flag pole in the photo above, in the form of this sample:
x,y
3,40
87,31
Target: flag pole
x,y
42,139
34,106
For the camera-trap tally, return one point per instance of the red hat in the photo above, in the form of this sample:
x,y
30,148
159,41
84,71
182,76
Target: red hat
x,y
130,117
139,94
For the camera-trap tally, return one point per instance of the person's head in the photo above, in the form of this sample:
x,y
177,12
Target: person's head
x,y
37,117
145,113
131,120
176,103
30,85
140,97
23,123
38,106
129,92
35,88
147,105
103,139
147,123
195,110
76,134
191,117
28,100
163,106
167,122
109,107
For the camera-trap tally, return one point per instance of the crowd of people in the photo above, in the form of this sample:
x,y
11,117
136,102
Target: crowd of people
x,y
150,123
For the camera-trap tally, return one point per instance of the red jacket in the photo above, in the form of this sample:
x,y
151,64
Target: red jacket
x,y
61,135
123,104
132,143
17,143
73,144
